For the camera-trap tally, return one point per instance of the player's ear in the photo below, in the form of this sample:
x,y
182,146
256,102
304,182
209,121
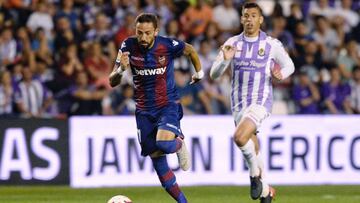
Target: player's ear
x,y
242,19
261,19
156,31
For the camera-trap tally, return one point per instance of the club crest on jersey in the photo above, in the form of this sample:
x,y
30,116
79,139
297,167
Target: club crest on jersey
x,y
161,60
261,52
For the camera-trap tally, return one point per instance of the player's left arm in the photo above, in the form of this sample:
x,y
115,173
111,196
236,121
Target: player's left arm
x,y
190,52
282,58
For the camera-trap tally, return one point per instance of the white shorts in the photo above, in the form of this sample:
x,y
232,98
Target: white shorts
x,y
255,112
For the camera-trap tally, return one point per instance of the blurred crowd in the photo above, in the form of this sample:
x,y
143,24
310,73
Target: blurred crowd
x,y
56,55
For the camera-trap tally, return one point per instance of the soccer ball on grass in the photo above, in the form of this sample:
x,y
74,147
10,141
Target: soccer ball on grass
x,y
119,199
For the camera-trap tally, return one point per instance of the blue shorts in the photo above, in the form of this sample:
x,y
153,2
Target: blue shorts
x,y
149,122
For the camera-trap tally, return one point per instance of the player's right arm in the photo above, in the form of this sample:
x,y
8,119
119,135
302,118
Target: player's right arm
x,y
223,59
121,64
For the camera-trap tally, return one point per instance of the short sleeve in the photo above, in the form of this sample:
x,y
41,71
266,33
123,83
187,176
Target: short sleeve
x,y
176,47
125,45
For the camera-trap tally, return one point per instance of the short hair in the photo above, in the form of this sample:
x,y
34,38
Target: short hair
x,y
252,5
355,69
147,18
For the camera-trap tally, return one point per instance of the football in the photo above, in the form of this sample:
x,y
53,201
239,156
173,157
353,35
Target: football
x,y
119,199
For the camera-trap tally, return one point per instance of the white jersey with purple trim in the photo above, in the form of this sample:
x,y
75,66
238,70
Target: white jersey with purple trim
x,y
251,69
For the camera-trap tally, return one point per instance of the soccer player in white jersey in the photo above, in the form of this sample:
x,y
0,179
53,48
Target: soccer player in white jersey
x,y
252,56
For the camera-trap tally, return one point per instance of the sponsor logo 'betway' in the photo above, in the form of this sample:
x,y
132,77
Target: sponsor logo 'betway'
x,y
156,71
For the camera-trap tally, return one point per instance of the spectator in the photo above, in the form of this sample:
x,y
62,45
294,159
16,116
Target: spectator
x,y
26,55
5,16
172,29
322,7
279,32
43,73
306,95
103,34
66,36
206,54
227,17
90,10
192,97
69,66
33,99
311,61
355,90
161,9
348,58
327,38
120,101
6,95
101,31
126,30
67,11
296,16
301,38
195,19
42,47
349,17
336,95
86,98
7,47
218,101
98,66
41,19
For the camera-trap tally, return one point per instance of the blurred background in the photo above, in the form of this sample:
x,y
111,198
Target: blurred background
x,y
55,55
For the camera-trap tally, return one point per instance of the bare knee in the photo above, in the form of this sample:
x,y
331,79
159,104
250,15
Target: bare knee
x,y
240,139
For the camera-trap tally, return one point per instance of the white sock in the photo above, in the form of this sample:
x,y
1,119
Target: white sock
x,y
260,161
250,157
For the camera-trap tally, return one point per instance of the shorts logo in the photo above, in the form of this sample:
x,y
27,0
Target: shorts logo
x,y
171,126
162,60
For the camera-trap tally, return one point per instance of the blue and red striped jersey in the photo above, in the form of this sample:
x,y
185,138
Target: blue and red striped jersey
x,y
153,70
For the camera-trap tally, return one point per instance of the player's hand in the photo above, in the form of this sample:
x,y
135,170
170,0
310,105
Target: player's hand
x,y
197,77
228,51
276,73
124,60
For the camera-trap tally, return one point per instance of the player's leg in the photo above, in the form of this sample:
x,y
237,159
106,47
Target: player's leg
x,y
167,177
167,142
170,134
242,138
246,140
147,131
268,192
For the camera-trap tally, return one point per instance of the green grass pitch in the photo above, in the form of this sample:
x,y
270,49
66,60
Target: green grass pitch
x,y
200,194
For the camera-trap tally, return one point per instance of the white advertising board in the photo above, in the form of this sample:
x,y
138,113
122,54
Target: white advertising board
x,y
104,151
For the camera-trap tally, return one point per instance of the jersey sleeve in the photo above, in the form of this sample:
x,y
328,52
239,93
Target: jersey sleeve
x,y
125,45
220,65
176,47
282,58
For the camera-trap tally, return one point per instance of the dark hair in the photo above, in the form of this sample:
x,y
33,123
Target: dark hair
x,y
355,68
252,5
147,18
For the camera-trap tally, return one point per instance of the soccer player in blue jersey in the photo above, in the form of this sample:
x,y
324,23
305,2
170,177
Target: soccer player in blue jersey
x,y
150,58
